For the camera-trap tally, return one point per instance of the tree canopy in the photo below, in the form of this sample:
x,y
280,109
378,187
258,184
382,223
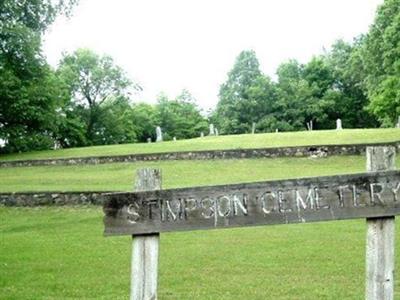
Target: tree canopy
x,y
29,90
87,100
381,56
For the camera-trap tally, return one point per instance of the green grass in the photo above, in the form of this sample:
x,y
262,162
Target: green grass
x,y
350,136
120,176
60,253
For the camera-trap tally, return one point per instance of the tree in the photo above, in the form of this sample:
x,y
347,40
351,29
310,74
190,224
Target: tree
x,y
381,56
144,118
180,118
348,92
115,123
92,80
233,109
29,91
293,97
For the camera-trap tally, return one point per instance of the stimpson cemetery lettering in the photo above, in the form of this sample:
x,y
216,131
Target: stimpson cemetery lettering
x,y
271,202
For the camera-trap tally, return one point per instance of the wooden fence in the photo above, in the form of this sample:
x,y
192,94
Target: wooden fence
x,y
374,195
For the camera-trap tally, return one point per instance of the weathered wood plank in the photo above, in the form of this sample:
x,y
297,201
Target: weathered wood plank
x,y
144,272
271,202
380,235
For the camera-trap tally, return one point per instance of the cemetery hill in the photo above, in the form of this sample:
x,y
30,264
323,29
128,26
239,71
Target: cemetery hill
x,y
85,165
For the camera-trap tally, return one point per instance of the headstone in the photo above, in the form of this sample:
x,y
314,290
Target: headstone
x,y
159,134
253,128
339,124
149,140
174,139
310,125
398,123
202,134
216,131
277,130
57,145
212,131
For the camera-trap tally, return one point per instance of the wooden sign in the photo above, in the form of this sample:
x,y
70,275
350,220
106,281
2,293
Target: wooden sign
x,y
262,203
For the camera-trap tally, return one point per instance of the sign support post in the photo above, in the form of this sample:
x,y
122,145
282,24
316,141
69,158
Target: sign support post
x,y
380,235
144,272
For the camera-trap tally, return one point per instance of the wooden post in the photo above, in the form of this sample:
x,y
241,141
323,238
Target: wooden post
x,y
380,235
144,271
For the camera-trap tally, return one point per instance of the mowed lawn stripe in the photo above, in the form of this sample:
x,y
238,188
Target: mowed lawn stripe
x,y
264,140
60,252
120,176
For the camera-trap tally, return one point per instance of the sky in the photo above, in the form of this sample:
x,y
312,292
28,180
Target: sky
x,y
170,45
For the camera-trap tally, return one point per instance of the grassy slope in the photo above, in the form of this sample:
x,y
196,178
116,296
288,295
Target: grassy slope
x,y
59,253
225,142
119,176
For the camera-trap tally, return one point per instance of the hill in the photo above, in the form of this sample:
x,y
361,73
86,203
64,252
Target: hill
x,y
244,141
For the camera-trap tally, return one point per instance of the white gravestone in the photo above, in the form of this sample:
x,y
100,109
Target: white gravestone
x,y
212,132
339,124
310,125
202,134
149,140
57,145
159,134
216,131
253,128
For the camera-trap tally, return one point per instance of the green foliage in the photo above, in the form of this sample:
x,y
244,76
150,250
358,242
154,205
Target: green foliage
x,y
92,81
180,118
29,90
86,102
348,92
144,117
381,54
328,87
235,109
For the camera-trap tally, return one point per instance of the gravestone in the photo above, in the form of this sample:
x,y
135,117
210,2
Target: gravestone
x,y
159,134
212,131
202,134
310,125
216,131
398,123
277,130
253,128
174,139
339,124
57,145
149,140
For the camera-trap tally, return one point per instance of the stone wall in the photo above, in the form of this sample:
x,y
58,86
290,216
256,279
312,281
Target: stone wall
x,y
300,151
51,198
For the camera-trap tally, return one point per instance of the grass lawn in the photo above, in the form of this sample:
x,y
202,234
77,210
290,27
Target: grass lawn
x,y
350,136
59,253
120,176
